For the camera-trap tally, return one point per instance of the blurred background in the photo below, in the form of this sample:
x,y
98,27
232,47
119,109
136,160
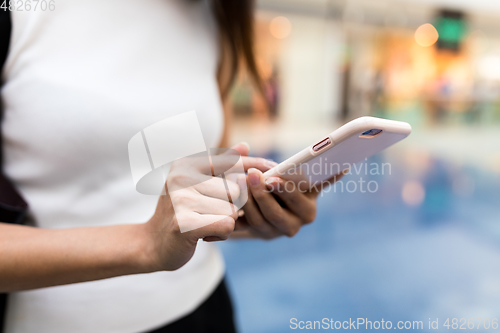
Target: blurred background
x,y
427,243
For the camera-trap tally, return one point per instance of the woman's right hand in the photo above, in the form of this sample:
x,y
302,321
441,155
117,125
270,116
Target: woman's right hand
x,y
197,202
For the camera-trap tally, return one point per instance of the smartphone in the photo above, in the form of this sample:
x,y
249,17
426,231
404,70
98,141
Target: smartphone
x,y
352,143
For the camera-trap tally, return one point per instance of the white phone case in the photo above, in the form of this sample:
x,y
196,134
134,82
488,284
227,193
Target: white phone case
x,y
343,147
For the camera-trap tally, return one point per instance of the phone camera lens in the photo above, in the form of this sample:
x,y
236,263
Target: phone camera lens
x,y
371,133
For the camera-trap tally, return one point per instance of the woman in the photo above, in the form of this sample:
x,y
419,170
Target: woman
x,y
79,82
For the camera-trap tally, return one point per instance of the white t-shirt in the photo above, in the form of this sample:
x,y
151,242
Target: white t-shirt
x,y
80,81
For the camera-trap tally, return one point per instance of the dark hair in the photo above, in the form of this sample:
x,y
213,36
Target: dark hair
x,y
235,20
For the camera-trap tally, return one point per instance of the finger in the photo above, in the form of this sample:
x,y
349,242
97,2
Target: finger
x,y
216,187
257,163
212,239
215,162
241,224
254,218
294,197
185,177
215,227
224,161
337,177
208,205
316,190
221,163
189,200
288,223
243,148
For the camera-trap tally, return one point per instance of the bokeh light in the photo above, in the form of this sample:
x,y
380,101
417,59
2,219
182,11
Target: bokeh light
x,y
426,35
488,67
280,27
413,193
463,185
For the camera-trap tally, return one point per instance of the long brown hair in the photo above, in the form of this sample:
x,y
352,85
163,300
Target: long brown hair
x,y
235,20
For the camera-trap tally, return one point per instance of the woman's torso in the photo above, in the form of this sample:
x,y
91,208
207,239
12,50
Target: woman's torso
x,y
80,81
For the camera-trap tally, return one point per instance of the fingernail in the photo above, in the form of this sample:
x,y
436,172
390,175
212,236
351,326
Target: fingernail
x,y
245,144
253,177
272,180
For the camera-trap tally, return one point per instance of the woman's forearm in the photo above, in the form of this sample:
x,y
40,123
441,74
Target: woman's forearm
x,y
35,258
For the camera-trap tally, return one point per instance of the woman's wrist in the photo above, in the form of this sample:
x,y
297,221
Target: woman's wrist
x,y
142,250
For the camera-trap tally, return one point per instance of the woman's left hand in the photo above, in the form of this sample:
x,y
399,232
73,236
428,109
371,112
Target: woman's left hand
x,y
276,206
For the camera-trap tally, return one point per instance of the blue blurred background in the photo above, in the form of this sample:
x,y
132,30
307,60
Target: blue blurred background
x,y
426,244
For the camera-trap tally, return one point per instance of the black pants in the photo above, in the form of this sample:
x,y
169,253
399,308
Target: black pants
x,y
215,315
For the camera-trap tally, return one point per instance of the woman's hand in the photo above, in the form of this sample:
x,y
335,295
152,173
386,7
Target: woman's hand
x,y
195,207
277,206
